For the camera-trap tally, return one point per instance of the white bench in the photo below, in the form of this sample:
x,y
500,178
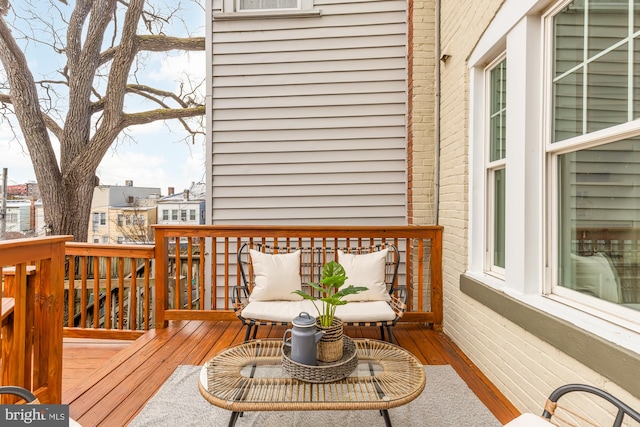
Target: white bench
x,y
280,270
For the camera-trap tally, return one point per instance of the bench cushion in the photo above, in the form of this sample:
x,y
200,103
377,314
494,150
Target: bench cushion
x,y
365,311
286,311
276,276
528,420
277,311
366,270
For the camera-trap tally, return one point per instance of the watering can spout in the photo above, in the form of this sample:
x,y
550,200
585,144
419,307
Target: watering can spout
x,y
319,336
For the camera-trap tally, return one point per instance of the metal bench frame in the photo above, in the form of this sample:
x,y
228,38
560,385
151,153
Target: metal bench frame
x,y
623,409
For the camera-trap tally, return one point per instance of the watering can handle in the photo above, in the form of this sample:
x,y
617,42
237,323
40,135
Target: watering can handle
x,y
284,338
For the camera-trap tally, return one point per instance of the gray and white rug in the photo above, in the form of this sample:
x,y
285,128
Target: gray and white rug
x,y
445,402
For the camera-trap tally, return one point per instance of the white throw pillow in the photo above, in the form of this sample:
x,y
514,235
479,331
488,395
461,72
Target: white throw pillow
x,y
366,270
596,276
276,276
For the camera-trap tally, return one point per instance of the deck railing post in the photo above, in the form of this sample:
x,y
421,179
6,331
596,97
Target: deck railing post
x,y
161,283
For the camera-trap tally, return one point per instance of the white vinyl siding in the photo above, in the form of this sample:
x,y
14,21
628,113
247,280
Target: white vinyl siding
x,y
308,117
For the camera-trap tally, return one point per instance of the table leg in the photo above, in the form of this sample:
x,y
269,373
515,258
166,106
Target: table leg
x,y
233,419
387,420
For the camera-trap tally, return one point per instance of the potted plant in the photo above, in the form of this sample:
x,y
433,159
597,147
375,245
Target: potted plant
x,y
330,291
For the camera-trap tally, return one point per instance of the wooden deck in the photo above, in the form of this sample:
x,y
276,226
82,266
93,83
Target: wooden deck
x,y
107,383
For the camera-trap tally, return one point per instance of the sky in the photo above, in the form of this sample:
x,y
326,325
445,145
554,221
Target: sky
x,y
158,158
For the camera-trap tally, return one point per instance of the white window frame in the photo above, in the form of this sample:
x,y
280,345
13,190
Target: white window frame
x,y
491,168
518,29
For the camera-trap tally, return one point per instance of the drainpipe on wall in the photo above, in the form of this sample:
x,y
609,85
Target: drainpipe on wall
x,y
3,207
436,179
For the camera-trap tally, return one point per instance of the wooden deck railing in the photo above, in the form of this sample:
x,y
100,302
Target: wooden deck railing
x,y
196,266
109,290
32,278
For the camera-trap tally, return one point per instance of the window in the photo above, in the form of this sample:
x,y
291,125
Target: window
x,y
183,214
253,5
241,9
594,150
119,219
174,215
496,161
99,218
165,214
105,239
192,215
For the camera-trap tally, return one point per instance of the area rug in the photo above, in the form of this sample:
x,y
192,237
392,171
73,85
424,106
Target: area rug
x,y
445,402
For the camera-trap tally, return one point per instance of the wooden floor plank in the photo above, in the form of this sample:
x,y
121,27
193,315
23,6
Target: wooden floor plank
x,y
129,374
141,381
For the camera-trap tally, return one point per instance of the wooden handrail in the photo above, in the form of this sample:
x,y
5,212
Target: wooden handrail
x,y
32,274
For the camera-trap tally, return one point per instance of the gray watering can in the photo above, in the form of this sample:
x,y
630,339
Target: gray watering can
x,y
303,339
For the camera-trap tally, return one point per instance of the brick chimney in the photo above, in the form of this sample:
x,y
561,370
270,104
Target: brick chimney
x,y
170,191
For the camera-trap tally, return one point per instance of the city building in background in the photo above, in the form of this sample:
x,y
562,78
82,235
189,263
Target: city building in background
x,y
123,214
185,208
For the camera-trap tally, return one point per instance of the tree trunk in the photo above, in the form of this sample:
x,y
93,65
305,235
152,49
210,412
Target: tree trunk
x,y
67,209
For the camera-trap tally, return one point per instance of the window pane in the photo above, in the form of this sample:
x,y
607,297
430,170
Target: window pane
x,y
568,39
267,4
498,111
601,65
607,92
567,108
608,24
499,218
636,76
599,222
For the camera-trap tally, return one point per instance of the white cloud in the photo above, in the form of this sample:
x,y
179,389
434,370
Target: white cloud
x,y
153,161
175,67
15,157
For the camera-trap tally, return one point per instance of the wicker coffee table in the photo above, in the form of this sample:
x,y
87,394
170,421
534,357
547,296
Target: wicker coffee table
x,y
249,377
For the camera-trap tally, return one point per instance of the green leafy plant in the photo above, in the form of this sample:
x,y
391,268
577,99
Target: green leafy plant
x,y
331,291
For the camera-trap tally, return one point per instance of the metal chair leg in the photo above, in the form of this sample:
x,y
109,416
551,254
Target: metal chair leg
x,y
390,334
248,333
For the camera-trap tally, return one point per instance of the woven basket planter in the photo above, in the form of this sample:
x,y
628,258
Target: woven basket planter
x,y
330,346
323,372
